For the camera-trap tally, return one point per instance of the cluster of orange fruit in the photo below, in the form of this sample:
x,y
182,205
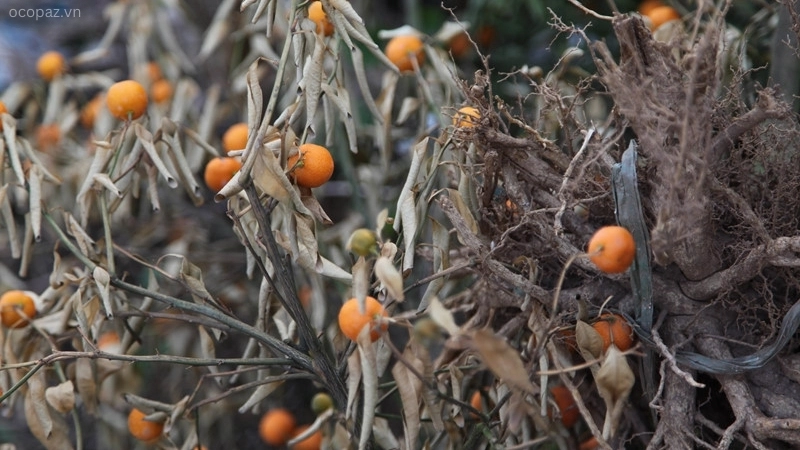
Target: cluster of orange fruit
x,y
125,100
278,426
311,167
404,51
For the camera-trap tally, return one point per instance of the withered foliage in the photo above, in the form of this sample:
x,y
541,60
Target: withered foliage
x,y
479,253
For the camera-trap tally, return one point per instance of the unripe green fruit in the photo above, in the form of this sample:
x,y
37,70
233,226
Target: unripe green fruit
x,y
363,242
321,403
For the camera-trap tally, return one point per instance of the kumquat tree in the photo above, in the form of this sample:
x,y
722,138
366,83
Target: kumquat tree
x,y
333,224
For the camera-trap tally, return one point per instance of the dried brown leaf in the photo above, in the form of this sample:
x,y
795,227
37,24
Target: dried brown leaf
x,y
61,397
263,391
369,376
409,385
502,359
361,273
464,210
590,343
443,317
353,382
103,282
614,381
390,278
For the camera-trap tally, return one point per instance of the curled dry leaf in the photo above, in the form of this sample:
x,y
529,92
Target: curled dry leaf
x,y
49,427
361,272
390,277
384,437
407,216
443,317
353,381
263,391
85,383
61,397
145,138
369,375
614,382
463,210
103,281
441,261
409,385
503,360
590,343
449,30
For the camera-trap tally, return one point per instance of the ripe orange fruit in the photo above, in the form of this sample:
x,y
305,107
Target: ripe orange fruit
x,y
612,249
235,137
318,16
153,72
48,136
486,35
50,65
566,405
648,5
352,319
402,50
126,100
16,307
614,328
312,166
90,110
589,444
476,402
304,295
3,109
144,430
466,117
276,426
459,45
662,14
161,91
109,342
313,442
219,172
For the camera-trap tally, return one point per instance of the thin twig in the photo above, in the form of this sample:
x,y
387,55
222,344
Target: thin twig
x,y
590,12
